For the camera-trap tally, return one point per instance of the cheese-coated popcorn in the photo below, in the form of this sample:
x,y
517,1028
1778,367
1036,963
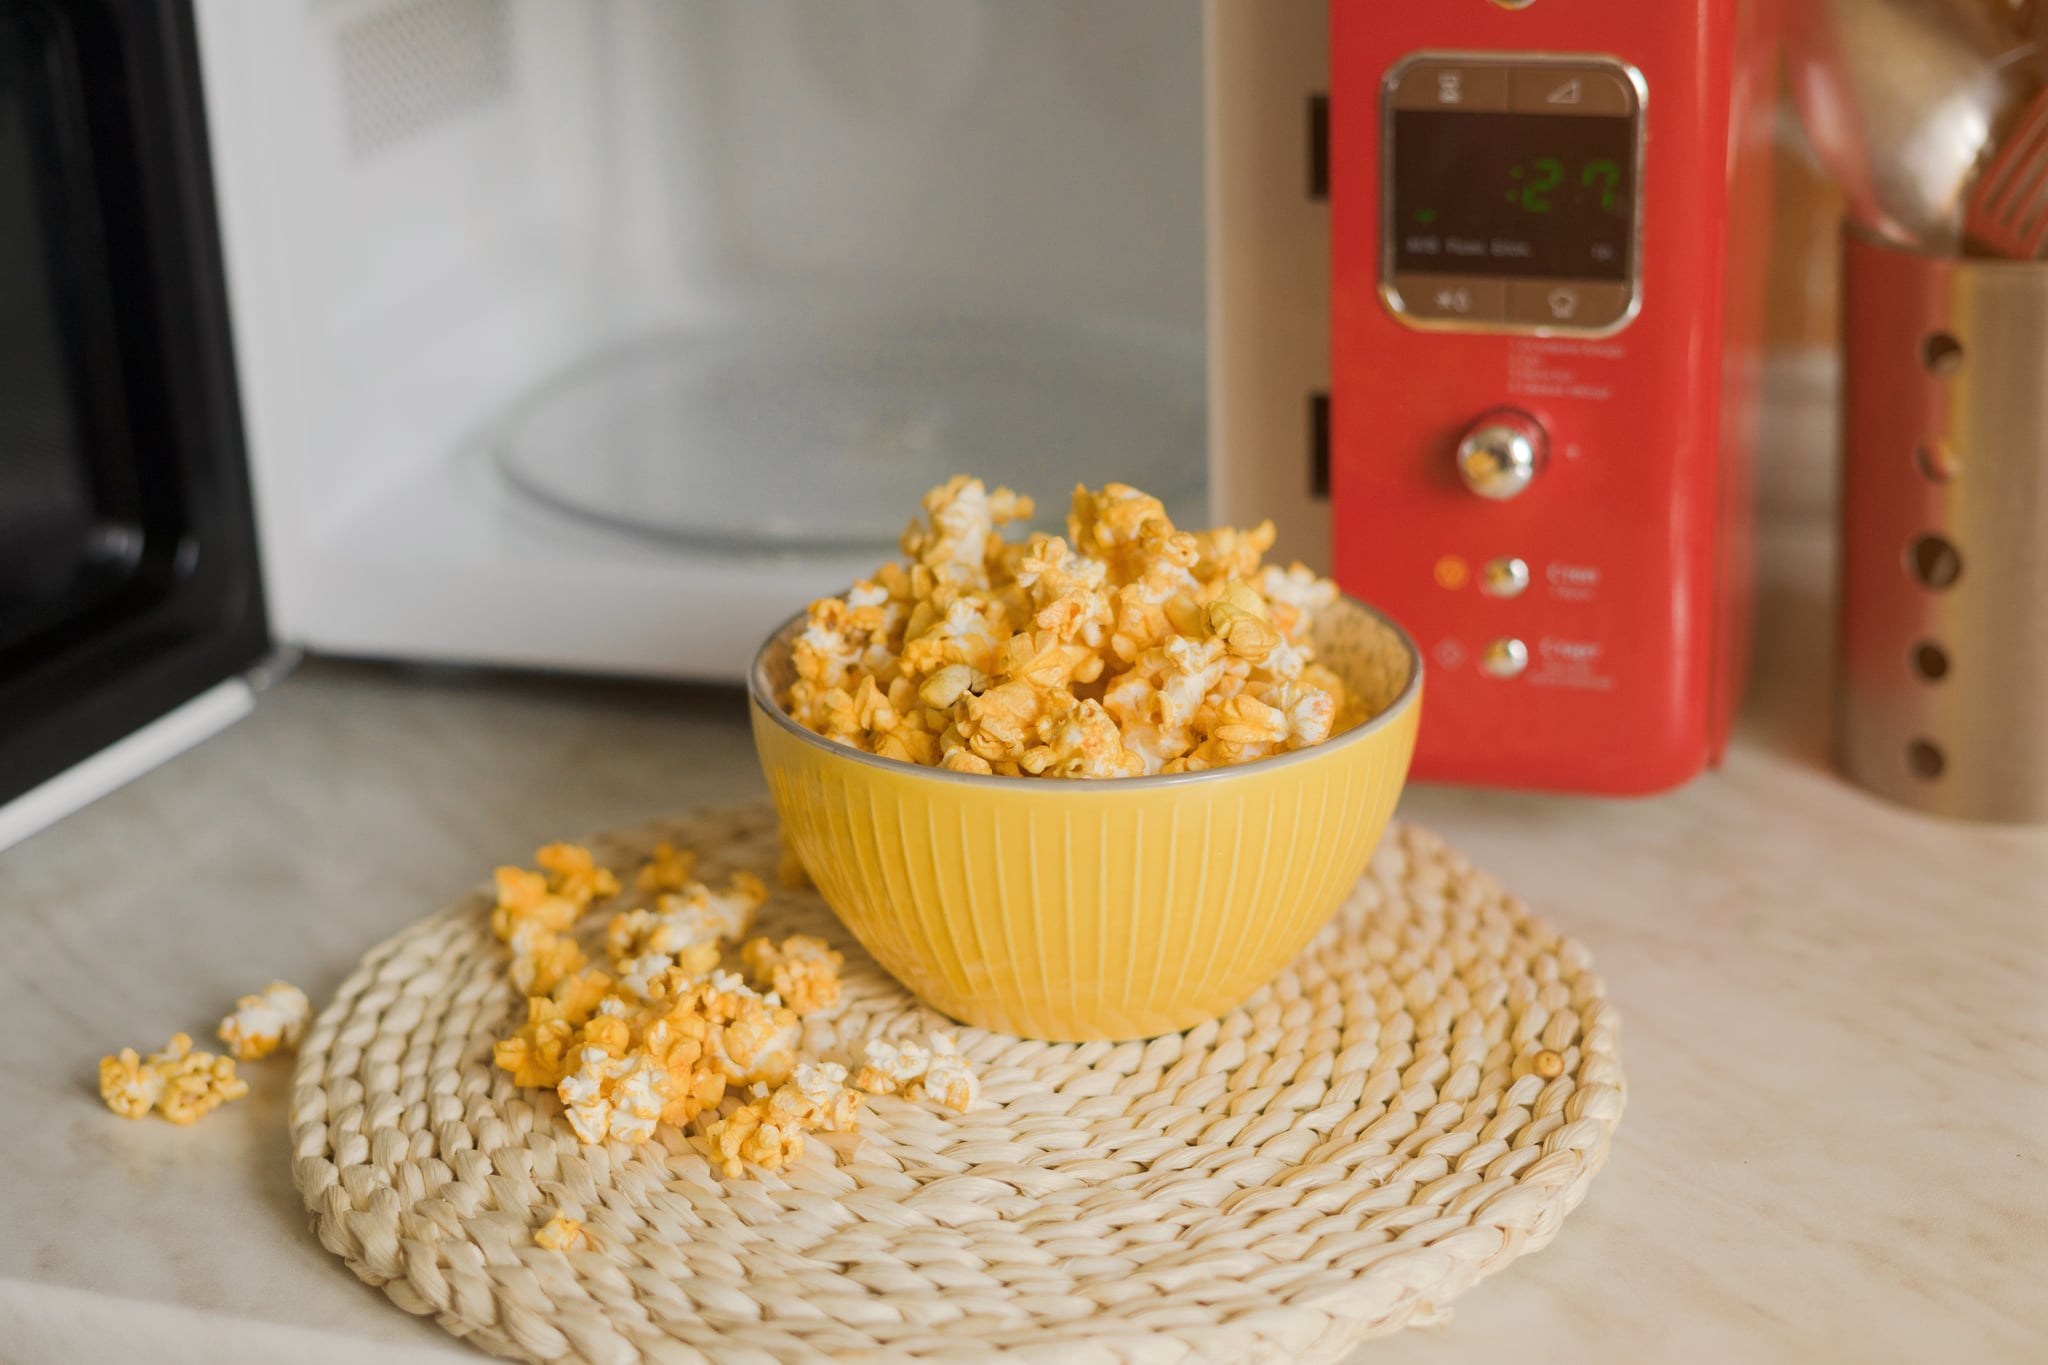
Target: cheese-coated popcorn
x,y
665,1034
129,1086
668,869
937,1072
757,1036
949,1079
198,1084
262,1023
1117,650
768,1130
178,1083
816,1098
559,1233
802,969
891,1066
524,902
538,1054
542,958
640,1092
746,1135
691,917
1300,590
575,876
586,1092
580,996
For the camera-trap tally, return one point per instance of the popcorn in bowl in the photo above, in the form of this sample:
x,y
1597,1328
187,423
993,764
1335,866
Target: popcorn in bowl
x,y
1126,648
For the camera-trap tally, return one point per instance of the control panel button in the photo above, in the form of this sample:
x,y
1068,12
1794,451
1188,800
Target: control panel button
x,y
1593,93
1505,577
1479,88
1577,305
1502,454
1451,298
1504,658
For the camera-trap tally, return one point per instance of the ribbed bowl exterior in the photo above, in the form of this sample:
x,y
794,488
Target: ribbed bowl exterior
x,y
1076,910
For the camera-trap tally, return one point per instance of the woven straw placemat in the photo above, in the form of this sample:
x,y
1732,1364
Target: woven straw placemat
x,y
1341,1156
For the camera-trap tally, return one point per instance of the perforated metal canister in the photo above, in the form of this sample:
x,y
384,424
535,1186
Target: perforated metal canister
x,y
1942,685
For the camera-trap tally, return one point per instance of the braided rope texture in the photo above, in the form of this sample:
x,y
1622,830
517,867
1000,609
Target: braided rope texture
x,y
1337,1158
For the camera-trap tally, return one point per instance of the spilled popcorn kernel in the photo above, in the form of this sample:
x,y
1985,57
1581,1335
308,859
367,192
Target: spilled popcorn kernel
x,y
628,1055
937,1073
525,903
746,1135
669,869
891,1066
949,1080
575,876
769,1129
178,1083
692,916
802,969
539,1053
130,1087
559,1234
542,959
263,1023
1127,647
1549,1065
665,1035
757,1035
818,1098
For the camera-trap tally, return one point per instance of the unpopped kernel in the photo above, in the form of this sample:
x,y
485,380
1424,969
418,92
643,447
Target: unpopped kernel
x,y
1129,647
263,1023
559,1233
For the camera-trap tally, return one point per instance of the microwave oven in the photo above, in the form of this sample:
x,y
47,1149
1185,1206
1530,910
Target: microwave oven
x,y
1547,317
603,334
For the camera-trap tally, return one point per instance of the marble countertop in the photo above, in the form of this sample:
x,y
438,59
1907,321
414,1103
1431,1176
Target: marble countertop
x,y
1836,1020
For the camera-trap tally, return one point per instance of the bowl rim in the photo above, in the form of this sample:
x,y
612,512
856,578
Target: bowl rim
x,y
763,698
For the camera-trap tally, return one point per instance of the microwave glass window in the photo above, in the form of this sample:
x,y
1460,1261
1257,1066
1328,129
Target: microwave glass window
x,y
65,544
1544,196
919,240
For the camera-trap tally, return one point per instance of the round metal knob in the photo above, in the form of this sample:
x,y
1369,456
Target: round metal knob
x,y
1502,454
1504,658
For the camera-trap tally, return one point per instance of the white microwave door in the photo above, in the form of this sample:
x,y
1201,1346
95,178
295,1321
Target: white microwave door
x,y
130,600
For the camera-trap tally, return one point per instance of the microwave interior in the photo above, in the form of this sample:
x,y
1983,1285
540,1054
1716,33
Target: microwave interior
x,y
680,307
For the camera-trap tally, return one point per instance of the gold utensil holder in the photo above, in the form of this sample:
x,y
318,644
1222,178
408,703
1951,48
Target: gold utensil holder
x,y
1942,685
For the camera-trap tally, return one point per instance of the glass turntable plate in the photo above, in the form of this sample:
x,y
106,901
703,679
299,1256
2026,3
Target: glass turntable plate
x,y
787,437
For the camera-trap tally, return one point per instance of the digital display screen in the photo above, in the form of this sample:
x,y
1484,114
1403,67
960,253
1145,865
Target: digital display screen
x,y
1547,196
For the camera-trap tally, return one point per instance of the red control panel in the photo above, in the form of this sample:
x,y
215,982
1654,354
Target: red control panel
x,y
1548,247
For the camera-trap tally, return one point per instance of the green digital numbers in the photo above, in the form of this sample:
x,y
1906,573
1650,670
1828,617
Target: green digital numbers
x,y
1549,174
1604,176
1535,183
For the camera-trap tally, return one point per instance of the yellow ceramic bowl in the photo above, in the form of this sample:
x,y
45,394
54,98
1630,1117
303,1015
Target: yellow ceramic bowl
x,y
1076,910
